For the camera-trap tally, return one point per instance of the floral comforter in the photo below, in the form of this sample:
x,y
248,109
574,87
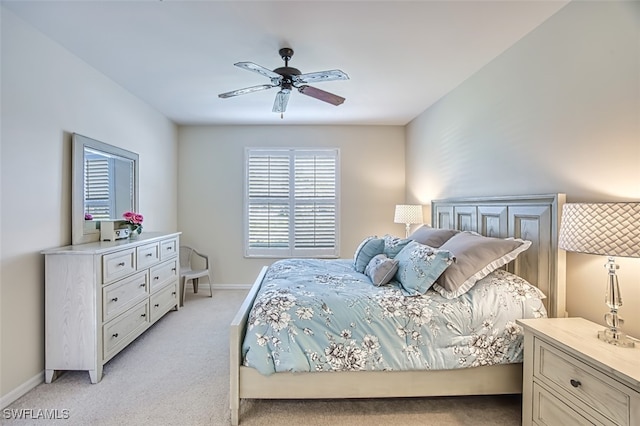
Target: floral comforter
x,y
322,315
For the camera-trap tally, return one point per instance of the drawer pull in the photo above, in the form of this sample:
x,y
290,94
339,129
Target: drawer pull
x,y
173,269
115,334
143,315
156,278
173,293
157,305
115,299
169,248
121,264
149,254
143,284
575,383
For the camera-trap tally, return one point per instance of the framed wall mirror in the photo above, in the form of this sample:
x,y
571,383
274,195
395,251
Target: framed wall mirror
x,y
105,185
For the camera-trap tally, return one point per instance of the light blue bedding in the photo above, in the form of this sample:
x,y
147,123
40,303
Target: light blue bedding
x,y
322,315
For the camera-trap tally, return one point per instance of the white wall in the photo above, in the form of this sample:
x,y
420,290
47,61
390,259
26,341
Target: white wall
x,y
47,94
211,164
558,112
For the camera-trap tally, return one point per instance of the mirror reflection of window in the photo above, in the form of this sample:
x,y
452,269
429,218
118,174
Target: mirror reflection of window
x,y
108,191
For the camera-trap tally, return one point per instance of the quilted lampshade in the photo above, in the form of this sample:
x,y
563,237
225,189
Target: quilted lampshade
x,y
608,229
408,214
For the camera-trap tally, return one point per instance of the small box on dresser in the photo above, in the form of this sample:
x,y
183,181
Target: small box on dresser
x,y
100,296
570,377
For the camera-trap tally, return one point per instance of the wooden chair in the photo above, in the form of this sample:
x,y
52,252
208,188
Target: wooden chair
x,y
190,260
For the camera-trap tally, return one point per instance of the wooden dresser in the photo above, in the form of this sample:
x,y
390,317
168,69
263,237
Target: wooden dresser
x,y
100,296
572,378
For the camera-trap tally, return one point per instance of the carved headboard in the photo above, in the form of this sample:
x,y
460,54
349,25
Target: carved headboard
x,y
530,217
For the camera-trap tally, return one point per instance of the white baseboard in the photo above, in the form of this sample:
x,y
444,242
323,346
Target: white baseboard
x,y
205,287
231,286
16,393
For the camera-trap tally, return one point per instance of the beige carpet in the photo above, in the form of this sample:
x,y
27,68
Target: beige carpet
x,y
177,373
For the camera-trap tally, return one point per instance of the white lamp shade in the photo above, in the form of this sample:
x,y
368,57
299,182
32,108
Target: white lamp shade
x,y
608,229
408,214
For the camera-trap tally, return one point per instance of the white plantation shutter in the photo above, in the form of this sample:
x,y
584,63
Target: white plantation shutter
x,y
291,202
97,186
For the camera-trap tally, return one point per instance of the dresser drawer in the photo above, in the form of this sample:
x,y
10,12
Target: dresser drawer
x,y
121,331
596,391
162,273
163,300
121,295
550,411
168,248
148,254
118,265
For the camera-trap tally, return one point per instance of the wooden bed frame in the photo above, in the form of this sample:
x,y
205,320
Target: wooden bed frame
x,y
535,218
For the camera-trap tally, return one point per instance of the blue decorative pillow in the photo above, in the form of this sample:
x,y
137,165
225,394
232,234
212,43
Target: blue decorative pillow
x,y
419,266
381,269
368,248
393,245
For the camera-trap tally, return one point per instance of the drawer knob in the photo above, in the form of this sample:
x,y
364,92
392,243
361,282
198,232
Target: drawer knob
x,y
115,334
143,284
575,383
173,293
173,269
121,264
156,278
115,299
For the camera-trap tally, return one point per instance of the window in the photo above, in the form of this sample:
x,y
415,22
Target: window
x,y
98,170
291,202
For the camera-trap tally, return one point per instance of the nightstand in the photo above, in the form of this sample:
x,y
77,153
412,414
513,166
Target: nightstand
x,y
572,378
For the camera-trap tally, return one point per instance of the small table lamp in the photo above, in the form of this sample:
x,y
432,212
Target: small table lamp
x,y
609,229
408,214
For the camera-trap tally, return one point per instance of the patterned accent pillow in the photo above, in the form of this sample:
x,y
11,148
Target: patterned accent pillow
x,y
476,257
393,245
381,269
368,248
432,237
419,266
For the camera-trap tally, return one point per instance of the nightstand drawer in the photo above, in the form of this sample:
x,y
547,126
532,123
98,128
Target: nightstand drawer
x,y
550,411
604,396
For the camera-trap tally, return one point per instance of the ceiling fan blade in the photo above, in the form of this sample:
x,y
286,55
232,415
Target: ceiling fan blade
x,y
282,98
314,77
245,90
250,66
321,95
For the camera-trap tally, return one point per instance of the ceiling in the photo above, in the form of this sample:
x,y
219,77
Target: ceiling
x,y
177,56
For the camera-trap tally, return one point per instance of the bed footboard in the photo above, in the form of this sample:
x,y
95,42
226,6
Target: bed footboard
x,y
236,335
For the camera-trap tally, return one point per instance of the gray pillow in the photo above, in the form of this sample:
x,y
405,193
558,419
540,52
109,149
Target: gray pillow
x,y
432,237
475,257
381,269
419,266
368,248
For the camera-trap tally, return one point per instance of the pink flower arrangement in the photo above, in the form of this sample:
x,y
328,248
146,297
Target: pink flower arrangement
x,y
88,216
135,221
